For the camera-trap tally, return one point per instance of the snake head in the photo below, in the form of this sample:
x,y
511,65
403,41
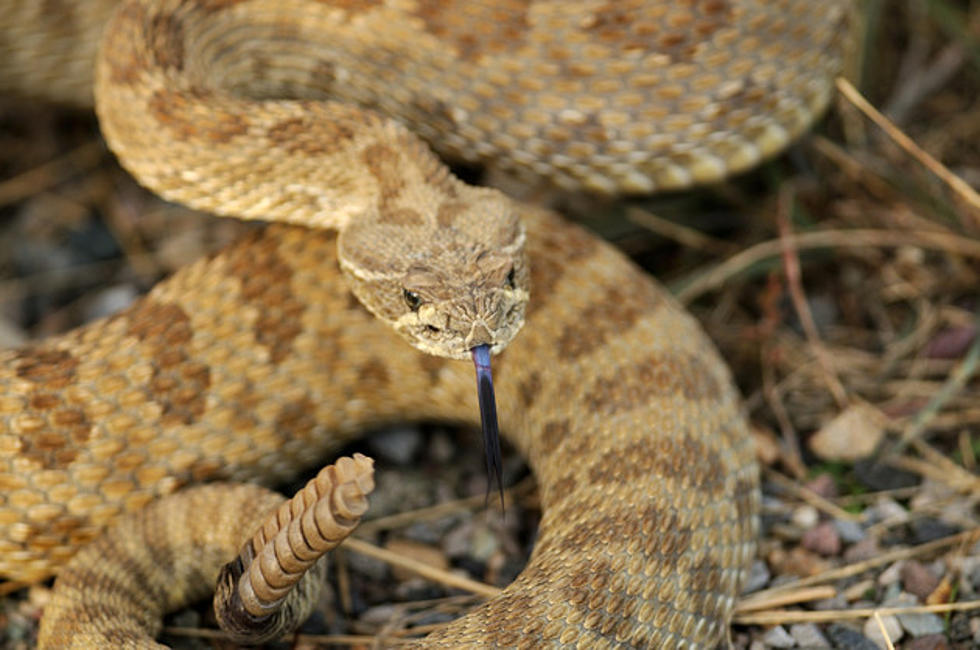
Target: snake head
x,y
446,284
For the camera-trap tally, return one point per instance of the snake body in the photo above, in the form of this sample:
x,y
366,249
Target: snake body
x,y
251,364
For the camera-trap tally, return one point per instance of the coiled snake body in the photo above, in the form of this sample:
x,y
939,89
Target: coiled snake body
x,y
252,364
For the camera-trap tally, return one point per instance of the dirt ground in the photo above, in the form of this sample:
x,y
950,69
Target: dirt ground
x,y
839,282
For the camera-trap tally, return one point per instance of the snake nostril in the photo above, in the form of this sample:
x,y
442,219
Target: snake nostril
x,y
432,328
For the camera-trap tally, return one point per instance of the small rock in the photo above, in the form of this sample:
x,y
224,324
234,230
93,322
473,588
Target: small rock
x,y
797,562
879,476
873,630
921,624
778,637
844,637
863,550
767,448
430,531
886,509
473,539
822,539
374,570
110,300
805,517
808,635
758,577
441,448
892,574
823,485
931,642
951,342
851,435
380,614
850,532
397,445
975,628
918,580
837,601
927,529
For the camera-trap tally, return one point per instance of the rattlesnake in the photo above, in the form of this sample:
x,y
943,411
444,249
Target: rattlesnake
x,y
255,362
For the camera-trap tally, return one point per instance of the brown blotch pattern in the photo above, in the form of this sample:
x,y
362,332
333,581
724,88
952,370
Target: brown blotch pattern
x,y
178,383
373,372
401,217
448,211
528,388
632,297
296,420
353,7
48,367
310,136
266,285
627,26
212,6
126,60
555,251
660,375
195,115
165,35
65,429
552,434
501,27
384,164
696,463
432,366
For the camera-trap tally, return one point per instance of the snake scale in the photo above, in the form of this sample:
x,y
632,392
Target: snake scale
x,y
256,362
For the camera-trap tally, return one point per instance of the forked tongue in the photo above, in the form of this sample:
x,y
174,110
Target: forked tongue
x,y
488,418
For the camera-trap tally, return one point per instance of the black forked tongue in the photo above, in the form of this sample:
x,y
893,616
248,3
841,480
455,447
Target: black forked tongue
x,y
488,418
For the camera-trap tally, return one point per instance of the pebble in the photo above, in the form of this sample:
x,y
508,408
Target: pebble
x,y
398,491
975,629
878,476
373,570
778,637
808,635
397,445
805,517
925,624
927,529
823,485
892,574
931,642
109,301
864,550
842,636
872,630
851,435
886,510
917,579
822,539
759,577
850,532
430,531
472,539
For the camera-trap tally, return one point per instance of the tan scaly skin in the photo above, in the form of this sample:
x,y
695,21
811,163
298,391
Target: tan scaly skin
x,y
242,366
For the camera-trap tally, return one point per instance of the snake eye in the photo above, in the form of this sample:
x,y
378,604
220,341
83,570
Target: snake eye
x,y
412,299
511,280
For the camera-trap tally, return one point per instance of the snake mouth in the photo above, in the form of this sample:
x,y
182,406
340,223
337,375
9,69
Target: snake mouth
x,y
488,418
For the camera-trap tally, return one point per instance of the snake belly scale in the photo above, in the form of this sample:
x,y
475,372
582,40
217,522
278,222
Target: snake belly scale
x,y
248,365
